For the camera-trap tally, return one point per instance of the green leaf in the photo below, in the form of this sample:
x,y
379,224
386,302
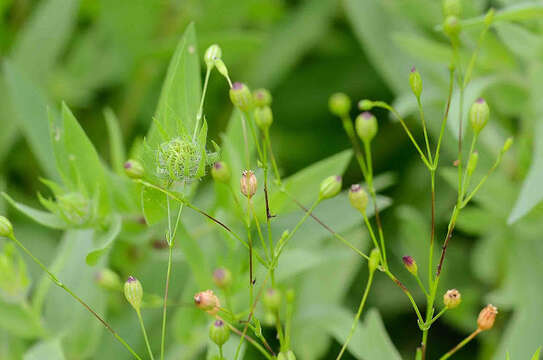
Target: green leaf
x,y
536,354
116,146
296,261
45,350
20,320
41,217
521,41
154,205
104,241
518,12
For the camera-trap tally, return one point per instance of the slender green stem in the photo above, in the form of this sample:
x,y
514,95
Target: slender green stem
x,y
445,117
406,291
60,284
255,137
426,140
434,319
358,314
259,230
372,235
250,340
467,176
220,352
279,329
142,325
348,126
483,180
201,108
421,285
460,345
272,157
433,228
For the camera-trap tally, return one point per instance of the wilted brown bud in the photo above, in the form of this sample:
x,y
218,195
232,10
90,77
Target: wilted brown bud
x,y
486,318
452,298
207,301
248,183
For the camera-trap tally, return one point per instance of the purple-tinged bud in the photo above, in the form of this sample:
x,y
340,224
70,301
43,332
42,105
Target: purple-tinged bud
x,y
222,278
133,169
262,97
486,318
451,26
452,298
219,332
339,104
478,115
263,117
410,264
6,229
248,183
241,96
133,292
207,301
330,187
220,172
272,299
366,126
358,198
415,81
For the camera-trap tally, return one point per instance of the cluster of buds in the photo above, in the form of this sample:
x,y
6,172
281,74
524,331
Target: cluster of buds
x,y
207,301
248,183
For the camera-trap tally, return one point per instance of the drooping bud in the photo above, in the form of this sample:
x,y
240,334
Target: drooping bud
x,y
410,264
241,96
212,54
375,258
472,162
366,126
221,68
478,115
339,104
108,279
358,198
220,172
248,183
507,144
207,301
263,117
262,97
451,26
330,187
487,316
289,355
452,298
415,81
452,8
6,229
272,299
219,332
222,277
133,292
365,105
133,169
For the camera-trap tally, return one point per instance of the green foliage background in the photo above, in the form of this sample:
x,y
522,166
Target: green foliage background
x,y
109,58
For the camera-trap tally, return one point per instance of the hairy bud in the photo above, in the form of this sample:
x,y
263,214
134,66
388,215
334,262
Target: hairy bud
x,y
207,301
410,264
222,277
248,183
366,126
6,229
358,198
219,332
133,292
241,96
452,298
220,172
330,187
262,97
487,316
133,169
478,115
212,54
339,104
263,117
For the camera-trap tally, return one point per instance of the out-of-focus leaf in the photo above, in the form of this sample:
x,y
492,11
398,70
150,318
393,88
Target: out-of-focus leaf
x,y
104,241
45,350
536,354
41,217
297,261
116,146
154,205
20,320
517,12
522,42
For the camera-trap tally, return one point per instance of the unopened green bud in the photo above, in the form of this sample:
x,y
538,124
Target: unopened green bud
x,y
339,104
220,172
263,117
330,187
133,292
452,298
108,279
262,97
358,198
75,207
472,162
375,258
272,299
6,229
219,332
451,26
221,68
507,144
212,54
288,355
415,81
366,126
248,183
478,115
222,278
452,8
241,96
133,169
489,17
365,105
410,264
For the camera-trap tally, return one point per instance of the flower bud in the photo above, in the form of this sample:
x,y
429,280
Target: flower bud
x,y
289,355
330,187
133,292
248,183
375,258
6,229
478,115
410,264
263,117
222,278
489,17
452,8
207,301
452,298
272,299
241,96
133,169
415,81
339,104
365,105
262,97
451,26
472,162
507,144
358,198
487,316
366,126
220,172
108,279
221,68
212,54
219,332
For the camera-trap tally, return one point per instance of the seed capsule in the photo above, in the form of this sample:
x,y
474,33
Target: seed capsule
x,y
220,172
108,279
222,278
212,54
375,258
415,81
133,292
241,96
410,264
262,97
366,126
221,68
248,183
358,198
207,301
452,298
478,115
472,162
451,26
219,332
339,104
272,299
133,169
330,187
6,229
487,316
263,117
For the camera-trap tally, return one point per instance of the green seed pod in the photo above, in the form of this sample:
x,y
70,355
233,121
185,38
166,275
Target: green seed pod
x,y
241,96
248,183
6,229
133,292
452,8
472,162
219,332
263,117
507,144
358,198
262,97
415,81
289,355
108,279
375,258
330,187
212,54
365,105
220,172
133,169
451,26
221,68
339,104
366,126
452,298
410,264
272,299
478,115
222,277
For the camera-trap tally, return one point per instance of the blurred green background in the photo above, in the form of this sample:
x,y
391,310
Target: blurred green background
x,y
114,54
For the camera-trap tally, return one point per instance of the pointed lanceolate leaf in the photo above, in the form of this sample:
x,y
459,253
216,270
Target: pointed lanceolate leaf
x,y
41,217
104,241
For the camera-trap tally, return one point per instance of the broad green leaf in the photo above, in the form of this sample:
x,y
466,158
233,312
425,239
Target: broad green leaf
x,y
41,217
116,146
45,350
296,261
536,354
154,205
104,241
195,257
522,42
19,320
518,12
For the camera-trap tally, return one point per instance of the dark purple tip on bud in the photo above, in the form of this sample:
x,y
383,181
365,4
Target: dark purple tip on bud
x,y
366,115
219,323
413,69
130,279
480,101
237,86
356,187
217,165
407,260
127,165
218,274
338,178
